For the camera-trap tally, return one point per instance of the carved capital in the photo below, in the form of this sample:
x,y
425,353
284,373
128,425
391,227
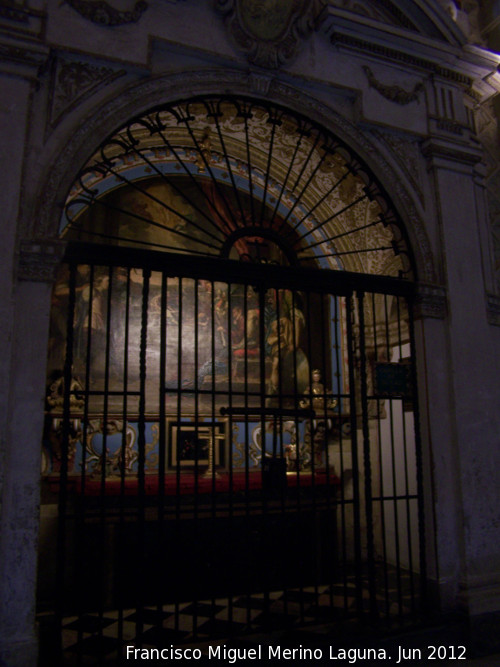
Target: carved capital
x,y
430,301
439,149
493,309
38,260
22,59
22,49
270,32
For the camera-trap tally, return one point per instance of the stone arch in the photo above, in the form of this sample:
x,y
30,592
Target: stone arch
x,y
139,97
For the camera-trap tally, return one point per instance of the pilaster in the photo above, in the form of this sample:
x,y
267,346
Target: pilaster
x,y
37,263
24,311
472,368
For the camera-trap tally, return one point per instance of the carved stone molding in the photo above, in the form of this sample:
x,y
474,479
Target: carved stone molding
x,y
454,151
23,59
38,260
406,151
493,309
73,82
20,20
338,38
270,32
259,83
102,13
393,93
430,301
22,51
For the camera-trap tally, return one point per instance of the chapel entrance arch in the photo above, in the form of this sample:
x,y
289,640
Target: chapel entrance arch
x,y
232,421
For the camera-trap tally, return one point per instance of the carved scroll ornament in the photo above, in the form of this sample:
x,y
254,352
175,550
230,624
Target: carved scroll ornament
x,y
270,31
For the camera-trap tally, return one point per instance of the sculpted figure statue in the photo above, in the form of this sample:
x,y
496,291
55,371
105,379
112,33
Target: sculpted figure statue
x,y
315,396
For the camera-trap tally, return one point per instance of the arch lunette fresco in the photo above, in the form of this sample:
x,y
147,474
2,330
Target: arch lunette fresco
x,y
73,147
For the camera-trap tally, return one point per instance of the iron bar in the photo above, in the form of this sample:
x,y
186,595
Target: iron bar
x,y
141,443
120,565
393,464
367,457
381,469
419,462
354,454
269,412
60,587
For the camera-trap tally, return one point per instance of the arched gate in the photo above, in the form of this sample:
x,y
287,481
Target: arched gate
x,y
232,421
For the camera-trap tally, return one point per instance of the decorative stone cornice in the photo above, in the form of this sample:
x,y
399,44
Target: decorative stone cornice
x,y
102,13
38,260
430,301
270,33
339,38
22,59
20,20
22,52
493,309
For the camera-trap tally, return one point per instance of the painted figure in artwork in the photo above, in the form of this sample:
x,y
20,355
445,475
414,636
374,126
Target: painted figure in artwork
x,y
285,339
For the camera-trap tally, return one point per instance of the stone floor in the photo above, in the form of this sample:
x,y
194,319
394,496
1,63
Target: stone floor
x,y
315,618
292,617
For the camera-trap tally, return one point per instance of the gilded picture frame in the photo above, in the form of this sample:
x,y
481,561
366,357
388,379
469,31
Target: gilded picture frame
x,y
197,444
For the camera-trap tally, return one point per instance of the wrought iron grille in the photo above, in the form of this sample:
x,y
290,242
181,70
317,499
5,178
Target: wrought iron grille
x,y
233,446
237,178
219,444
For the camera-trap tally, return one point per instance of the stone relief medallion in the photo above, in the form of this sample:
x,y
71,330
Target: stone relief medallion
x,y
267,19
270,31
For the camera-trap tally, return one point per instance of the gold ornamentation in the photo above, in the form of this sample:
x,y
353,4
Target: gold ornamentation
x,y
316,397
205,150
56,397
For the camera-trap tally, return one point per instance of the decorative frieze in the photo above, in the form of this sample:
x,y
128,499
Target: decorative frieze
x,y
38,260
430,301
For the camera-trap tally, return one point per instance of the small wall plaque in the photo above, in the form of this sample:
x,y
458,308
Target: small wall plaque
x,y
393,380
